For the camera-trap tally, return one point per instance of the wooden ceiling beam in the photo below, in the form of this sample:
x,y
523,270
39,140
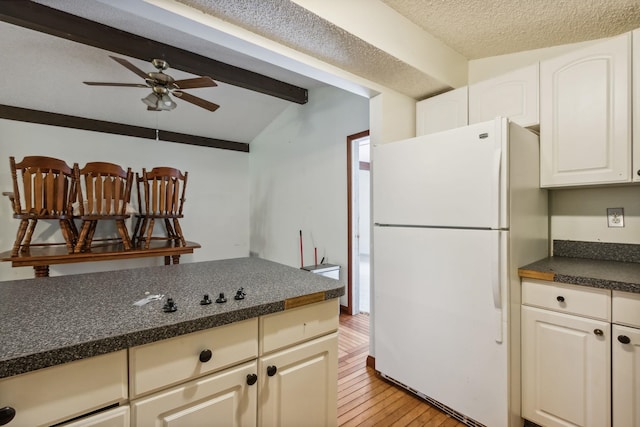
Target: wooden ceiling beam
x,y
61,24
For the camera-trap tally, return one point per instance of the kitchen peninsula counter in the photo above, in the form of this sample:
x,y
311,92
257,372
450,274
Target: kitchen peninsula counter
x,y
599,265
54,320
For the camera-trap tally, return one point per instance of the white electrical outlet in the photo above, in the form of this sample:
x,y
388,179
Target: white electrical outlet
x,y
615,217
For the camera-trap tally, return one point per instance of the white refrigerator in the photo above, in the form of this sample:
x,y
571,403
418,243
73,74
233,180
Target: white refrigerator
x,y
455,214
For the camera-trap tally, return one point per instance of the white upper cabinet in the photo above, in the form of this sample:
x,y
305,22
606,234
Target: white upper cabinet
x,y
585,115
636,106
442,112
513,95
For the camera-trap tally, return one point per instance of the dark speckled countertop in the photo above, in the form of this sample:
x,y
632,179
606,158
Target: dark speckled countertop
x,y
54,320
600,265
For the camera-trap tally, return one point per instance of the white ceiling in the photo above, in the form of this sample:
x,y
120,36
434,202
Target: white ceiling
x,y
48,71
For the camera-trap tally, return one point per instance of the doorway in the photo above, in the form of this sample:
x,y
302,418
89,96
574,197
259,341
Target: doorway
x,y
359,223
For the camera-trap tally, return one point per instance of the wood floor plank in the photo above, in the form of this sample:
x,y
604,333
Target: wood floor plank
x,y
366,399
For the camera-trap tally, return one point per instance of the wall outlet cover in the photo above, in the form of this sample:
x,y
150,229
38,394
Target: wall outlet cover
x,y
615,217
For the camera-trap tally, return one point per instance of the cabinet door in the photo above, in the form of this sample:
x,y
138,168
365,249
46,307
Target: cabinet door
x,y
626,376
636,105
585,115
299,385
442,112
513,95
224,399
566,376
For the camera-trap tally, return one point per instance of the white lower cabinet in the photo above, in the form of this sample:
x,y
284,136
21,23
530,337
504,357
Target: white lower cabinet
x,y
626,376
58,393
225,399
279,369
565,363
625,350
299,385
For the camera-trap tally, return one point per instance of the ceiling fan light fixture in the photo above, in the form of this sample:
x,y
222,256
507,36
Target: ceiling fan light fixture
x,y
151,100
168,102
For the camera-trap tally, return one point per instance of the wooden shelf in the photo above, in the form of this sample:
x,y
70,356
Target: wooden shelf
x,y
40,258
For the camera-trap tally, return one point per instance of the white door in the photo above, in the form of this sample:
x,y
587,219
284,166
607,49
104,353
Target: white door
x,y
225,399
450,178
626,376
438,319
585,115
442,112
513,95
566,370
299,385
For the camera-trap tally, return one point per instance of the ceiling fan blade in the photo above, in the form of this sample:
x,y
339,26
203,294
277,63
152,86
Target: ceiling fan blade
x,y
115,84
196,82
129,66
196,101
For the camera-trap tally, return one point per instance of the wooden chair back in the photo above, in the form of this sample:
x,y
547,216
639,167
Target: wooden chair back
x,y
104,190
46,187
161,195
163,191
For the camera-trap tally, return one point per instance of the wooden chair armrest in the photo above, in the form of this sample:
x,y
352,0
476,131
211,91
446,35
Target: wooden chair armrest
x,y
12,198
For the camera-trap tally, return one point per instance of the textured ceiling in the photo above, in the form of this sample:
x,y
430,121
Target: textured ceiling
x,y
483,28
293,26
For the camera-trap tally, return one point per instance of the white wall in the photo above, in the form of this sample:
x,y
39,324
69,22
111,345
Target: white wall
x,y
217,200
299,179
581,214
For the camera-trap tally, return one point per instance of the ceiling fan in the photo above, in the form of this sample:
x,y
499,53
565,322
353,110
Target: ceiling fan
x,y
162,85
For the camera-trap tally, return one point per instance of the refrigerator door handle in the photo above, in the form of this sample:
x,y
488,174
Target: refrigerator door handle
x,y
496,270
495,188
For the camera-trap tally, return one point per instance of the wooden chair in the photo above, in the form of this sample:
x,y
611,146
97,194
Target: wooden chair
x,y
160,196
48,189
104,191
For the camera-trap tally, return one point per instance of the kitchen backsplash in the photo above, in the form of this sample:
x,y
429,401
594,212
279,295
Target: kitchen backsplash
x,y
623,252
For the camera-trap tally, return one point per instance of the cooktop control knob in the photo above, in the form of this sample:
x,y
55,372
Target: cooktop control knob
x,y
240,294
170,306
205,300
221,298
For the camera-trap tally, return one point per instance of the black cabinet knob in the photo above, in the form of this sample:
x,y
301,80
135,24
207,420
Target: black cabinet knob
x,y
638,172
205,355
6,415
598,332
560,298
252,379
624,339
271,370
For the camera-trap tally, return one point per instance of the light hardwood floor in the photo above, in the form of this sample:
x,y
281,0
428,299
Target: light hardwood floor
x,y
365,399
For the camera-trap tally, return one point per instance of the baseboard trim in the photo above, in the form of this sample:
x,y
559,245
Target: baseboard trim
x,y
371,362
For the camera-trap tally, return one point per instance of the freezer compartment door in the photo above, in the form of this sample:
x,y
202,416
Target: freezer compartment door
x,y
440,316
450,179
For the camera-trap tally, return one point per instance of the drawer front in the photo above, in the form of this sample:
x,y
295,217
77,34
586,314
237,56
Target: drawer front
x,y
296,325
51,395
167,362
116,417
626,308
572,299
